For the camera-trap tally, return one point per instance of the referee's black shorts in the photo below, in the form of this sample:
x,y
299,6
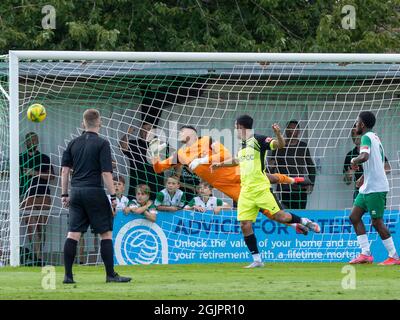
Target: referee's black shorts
x,y
89,206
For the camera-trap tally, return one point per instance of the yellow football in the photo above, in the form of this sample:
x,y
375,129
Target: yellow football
x,y
36,113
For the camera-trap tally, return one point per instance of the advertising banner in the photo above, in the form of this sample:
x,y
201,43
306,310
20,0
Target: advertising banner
x,y
192,237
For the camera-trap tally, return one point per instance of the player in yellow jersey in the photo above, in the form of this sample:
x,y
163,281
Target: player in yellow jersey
x,y
199,153
255,192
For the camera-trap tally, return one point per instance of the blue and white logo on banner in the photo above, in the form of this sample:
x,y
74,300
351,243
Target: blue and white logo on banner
x,y
140,241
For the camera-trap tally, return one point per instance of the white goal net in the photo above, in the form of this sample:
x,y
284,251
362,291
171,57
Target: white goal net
x,y
143,96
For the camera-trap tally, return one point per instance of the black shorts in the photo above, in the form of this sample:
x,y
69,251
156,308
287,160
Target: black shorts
x,y
89,206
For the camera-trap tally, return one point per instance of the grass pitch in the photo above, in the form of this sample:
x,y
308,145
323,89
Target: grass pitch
x,y
207,282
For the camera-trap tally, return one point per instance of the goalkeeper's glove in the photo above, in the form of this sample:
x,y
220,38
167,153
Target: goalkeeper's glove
x,y
155,147
196,162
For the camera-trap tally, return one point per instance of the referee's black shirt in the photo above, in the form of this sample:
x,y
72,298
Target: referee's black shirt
x,y
89,156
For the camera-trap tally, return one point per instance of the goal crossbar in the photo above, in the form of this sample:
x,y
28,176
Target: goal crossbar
x,y
207,56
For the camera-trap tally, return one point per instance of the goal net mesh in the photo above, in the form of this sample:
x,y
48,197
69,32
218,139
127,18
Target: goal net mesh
x,y
140,100
4,166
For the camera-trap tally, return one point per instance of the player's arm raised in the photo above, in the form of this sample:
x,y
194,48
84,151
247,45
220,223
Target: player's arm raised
x,y
279,142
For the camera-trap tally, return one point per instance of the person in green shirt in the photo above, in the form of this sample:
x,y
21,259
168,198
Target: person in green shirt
x,y
171,198
142,204
205,200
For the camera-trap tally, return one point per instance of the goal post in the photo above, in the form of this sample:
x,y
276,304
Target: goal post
x,y
14,160
325,92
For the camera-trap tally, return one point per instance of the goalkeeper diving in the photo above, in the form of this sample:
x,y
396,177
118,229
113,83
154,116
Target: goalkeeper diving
x,y
202,155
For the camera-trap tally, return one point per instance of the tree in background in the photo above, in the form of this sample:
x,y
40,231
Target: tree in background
x,y
201,25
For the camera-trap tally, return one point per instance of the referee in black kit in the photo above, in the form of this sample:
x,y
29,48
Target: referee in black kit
x,y
89,156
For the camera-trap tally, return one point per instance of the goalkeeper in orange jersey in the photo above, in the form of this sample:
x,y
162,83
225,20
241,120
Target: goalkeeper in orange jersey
x,y
200,153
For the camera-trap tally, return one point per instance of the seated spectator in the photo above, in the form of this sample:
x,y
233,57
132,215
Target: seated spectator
x,y
350,175
171,198
142,204
36,172
205,200
122,201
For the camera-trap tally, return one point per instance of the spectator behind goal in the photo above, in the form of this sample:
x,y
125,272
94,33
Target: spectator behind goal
x,y
293,160
205,200
142,204
171,198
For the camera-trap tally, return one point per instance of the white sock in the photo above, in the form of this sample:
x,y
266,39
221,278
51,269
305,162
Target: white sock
x,y
293,225
389,245
304,221
256,257
364,244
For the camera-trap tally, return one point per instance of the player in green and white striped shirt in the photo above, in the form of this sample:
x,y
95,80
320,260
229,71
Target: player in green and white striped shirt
x,y
205,200
171,198
373,192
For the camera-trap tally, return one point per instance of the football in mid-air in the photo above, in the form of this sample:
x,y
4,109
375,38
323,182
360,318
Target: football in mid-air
x,y
36,112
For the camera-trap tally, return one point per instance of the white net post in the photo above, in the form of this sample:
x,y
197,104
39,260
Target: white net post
x,y
14,161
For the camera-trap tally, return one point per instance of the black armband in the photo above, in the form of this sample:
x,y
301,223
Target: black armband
x,y
113,197
64,195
